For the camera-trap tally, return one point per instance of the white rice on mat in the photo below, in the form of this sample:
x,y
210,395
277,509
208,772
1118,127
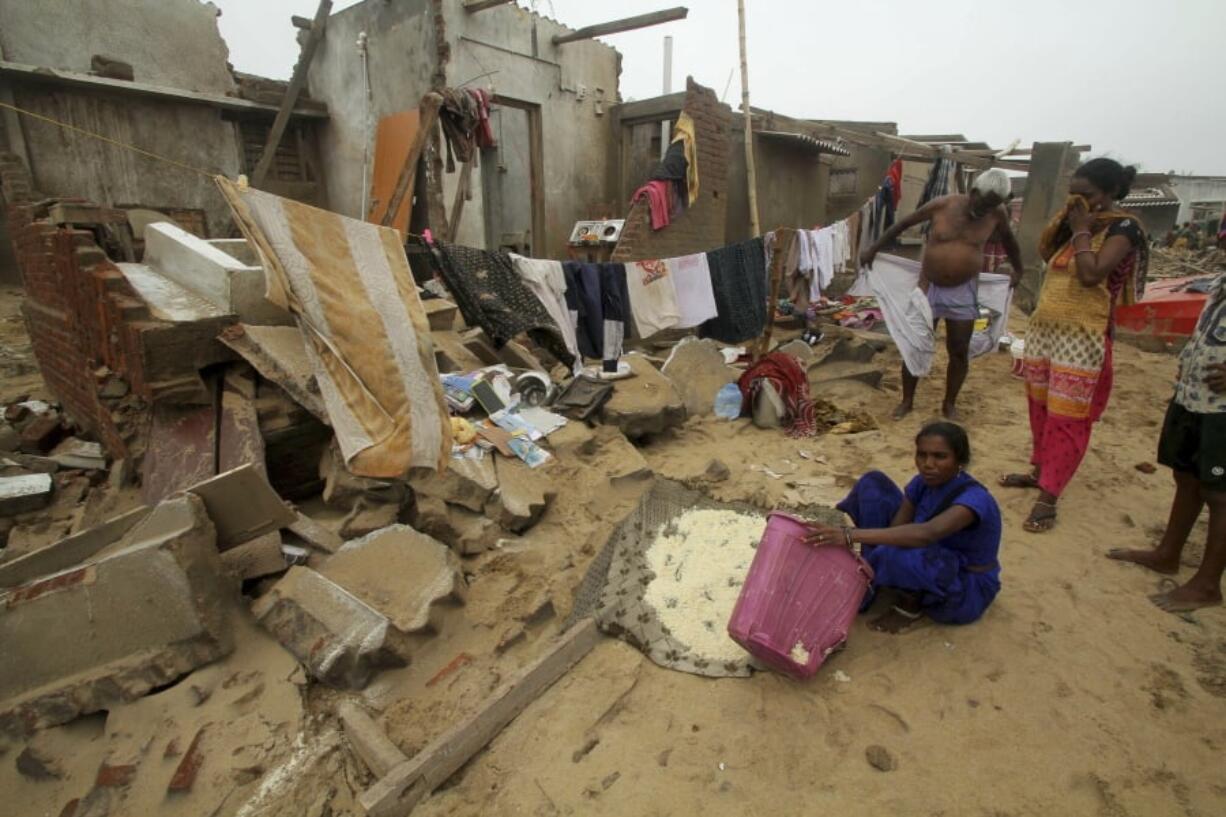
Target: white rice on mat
x,y
700,560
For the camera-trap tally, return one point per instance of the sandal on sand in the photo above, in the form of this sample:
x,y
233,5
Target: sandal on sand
x,y
1040,523
907,613
1019,481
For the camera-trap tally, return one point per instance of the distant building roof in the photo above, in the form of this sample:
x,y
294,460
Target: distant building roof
x,y
1161,196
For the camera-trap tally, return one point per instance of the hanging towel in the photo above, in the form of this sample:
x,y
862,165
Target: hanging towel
x,y
657,194
695,297
894,282
490,294
348,284
547,281
823,268
738,279
683,132
995,294
653,297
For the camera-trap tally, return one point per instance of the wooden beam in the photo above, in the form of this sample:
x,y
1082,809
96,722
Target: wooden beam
x,y
37,73
300,22
782,258
473,6
296,84
369,742
461,195
406,785
649,110
427,117
751,174
655,18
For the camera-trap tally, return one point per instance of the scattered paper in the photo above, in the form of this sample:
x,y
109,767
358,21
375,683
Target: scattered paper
x,y
545,421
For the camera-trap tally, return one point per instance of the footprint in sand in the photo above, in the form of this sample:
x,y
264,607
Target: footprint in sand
x,y
1165,688
1210,663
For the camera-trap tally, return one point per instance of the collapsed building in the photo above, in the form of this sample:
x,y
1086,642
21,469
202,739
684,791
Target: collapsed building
x,y
268,374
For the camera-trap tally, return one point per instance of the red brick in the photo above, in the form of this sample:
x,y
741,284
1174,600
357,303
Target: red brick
x,y
189,766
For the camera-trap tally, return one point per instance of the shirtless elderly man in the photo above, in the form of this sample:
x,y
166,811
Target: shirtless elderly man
x,y
949,273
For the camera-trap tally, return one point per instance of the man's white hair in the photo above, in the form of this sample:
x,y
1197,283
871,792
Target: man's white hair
x,y
993,180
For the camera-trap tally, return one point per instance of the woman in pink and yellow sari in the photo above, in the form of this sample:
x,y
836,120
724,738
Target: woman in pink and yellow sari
x,y
1097,255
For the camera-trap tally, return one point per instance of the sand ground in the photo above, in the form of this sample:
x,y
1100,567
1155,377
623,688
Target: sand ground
x,y
1074,695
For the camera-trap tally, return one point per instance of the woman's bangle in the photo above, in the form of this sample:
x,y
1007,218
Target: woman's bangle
x,y
1086,233
847,537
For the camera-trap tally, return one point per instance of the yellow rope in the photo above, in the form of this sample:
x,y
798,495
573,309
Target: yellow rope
x,y
111,141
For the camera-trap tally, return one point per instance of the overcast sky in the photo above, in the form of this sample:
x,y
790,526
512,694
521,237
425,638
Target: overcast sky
x,y
1141,81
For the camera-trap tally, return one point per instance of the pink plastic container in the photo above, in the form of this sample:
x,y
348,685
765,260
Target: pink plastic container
x,y
799,601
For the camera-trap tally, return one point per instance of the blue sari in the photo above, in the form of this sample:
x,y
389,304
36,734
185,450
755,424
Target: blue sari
x,y
948,591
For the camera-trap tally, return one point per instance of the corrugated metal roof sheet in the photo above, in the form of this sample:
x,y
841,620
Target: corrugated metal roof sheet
x,y
820,145
1150,197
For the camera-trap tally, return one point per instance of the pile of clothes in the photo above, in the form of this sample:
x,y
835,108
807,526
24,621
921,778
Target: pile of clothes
x,y
673,185
465,118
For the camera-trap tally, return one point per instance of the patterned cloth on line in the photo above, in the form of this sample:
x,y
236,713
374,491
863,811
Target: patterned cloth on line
x,y
738,278
348,285
790,382
490,294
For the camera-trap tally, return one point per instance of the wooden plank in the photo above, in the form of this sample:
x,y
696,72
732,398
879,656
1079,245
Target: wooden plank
x,y
473,6
655,18
654,109
406,785
303,23
461,195
369,742
296,84
37,73
428,117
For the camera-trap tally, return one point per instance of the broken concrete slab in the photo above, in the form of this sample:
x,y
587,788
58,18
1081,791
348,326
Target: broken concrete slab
x,y
26,493
450,353
851,350
207,270
367,517
800,350
279,354
109,631
315,534
242,505
260,557
466,532
338,638
71,551
826,373
521,498
405,575
481,347
79,454
441,313
32,463
344,489
42,434
645,404
466,482
517,356
696,367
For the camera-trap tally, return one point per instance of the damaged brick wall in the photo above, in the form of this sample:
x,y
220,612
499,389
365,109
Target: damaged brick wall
x,y
58,266
700,227
75,301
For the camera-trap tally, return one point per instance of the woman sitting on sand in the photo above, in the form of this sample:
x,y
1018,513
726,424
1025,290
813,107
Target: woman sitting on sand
x,y
935,543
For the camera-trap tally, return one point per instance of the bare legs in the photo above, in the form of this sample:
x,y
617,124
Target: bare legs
x,y
958,345
1205,587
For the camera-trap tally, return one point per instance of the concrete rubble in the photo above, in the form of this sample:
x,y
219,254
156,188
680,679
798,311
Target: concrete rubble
x,y
647,403
697,368
148,609
368,608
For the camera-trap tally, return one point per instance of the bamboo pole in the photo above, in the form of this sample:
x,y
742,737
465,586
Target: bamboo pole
x,y
750,171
